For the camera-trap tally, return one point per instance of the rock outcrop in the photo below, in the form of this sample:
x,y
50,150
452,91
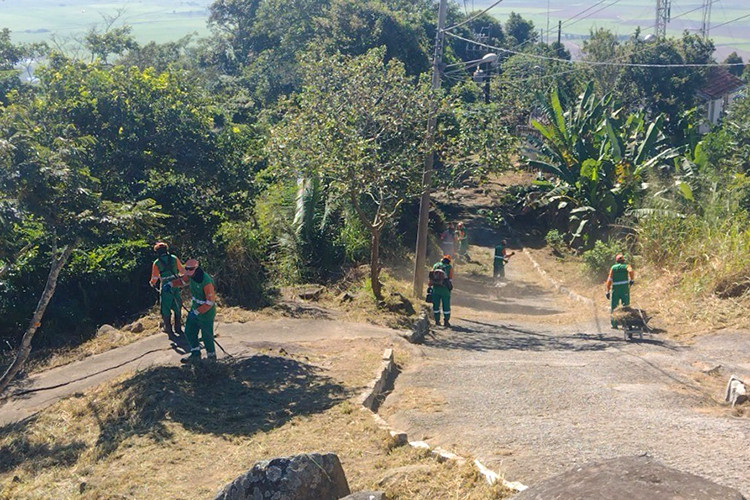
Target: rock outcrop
x,y
311,476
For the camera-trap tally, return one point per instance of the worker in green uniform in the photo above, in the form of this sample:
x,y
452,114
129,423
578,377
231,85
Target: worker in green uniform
x,y
621,278
200,319
463,242
501,258
441,281
165,269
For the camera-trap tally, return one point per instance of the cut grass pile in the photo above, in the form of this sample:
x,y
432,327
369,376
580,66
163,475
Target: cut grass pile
x,y
175,432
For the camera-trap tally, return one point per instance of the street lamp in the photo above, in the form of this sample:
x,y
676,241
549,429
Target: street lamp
x,y
481,75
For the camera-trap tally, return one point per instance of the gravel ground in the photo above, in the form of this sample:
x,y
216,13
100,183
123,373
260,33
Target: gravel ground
x,y
532,392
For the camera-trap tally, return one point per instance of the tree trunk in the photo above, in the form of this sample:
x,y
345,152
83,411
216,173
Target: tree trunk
x,y
375,264
25,348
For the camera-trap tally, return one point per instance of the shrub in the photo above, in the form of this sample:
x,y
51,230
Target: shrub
x,y
600,258
106,284
238,265
556,242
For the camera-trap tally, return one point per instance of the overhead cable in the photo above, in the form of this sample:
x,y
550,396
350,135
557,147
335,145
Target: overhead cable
x,y
473,17
595,12
728,22
597,63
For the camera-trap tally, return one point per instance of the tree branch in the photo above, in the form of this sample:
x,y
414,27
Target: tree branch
x,y
8,265
36,320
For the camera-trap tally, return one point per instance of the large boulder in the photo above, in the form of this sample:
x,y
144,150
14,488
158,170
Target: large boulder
x,y
311,476
366,495
628,478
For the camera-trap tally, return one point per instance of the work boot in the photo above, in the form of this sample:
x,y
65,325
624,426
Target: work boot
x,y
447,323
193,357
211,356
167,325
178,325
437,322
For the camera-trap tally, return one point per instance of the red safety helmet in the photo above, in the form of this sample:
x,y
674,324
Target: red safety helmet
x,y
160,245
447,257
619,258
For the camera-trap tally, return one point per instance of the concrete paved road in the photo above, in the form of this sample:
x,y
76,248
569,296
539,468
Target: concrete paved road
x,y
239,339
532,389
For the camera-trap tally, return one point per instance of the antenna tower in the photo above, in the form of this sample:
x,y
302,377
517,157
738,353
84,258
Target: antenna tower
x,y
706,25
663,14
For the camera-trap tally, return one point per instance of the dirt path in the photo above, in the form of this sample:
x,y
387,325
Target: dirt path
x,y
239,339
533,384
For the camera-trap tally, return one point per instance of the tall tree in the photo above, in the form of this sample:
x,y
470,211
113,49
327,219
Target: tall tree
x,y
44,176
359,125
733,58
664,89
520,30
353,27
603,46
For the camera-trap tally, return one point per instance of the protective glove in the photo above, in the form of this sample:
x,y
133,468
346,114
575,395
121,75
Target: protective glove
x,y
607,295
631,282
193,314
166,287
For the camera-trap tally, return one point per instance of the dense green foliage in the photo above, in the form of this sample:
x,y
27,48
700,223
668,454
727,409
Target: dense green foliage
x,y
289,145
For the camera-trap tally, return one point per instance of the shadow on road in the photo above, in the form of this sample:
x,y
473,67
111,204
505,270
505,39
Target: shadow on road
x,y
471,335
488,294
479,336
239,398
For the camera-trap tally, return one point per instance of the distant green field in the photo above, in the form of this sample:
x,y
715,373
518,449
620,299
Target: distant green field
x,y
157,20
165,20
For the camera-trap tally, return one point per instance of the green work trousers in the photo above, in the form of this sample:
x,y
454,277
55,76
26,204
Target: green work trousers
x,y
203,323
498,270
441,296
170,301
620,295
463,247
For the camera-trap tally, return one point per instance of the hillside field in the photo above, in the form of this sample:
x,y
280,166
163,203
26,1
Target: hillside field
x,y
624,16
158,20
166,20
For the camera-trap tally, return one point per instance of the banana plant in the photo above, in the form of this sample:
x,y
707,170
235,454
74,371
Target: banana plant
x,y
599,158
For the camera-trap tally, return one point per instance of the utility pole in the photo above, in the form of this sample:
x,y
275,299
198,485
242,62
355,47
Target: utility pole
x,y
663,15
429,161
706,25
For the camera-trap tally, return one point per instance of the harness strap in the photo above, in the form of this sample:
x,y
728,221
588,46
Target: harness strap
x,y
197,301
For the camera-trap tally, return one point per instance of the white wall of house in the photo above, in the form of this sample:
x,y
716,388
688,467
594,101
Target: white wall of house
x,y
715,110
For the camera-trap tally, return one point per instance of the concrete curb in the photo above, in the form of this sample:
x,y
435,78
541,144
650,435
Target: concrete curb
x,y
376,388
559,287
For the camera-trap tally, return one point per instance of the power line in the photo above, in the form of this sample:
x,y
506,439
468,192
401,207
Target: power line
x,y
473,17
595,12
689,11
586,10
732,21
600,63
572,18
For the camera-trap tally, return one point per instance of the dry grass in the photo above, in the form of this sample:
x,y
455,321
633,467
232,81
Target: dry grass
x,y
682,312
392,312
171,432
45,360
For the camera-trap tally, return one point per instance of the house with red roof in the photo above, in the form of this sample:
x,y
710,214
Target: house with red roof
x,y
721,88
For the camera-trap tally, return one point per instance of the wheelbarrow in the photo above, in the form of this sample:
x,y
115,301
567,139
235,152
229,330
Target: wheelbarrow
x,y
632,320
